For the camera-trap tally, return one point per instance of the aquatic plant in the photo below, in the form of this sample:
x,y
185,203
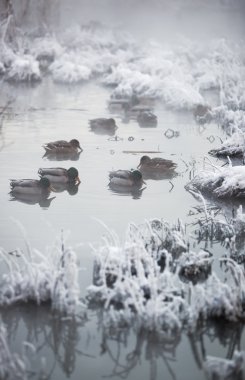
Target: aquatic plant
x,y
41,277
225,369
232,146
140,282
176,75
220,182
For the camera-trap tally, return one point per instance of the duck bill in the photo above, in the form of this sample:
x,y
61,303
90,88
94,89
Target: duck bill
x,y
51,188
80,148
77,181
138,166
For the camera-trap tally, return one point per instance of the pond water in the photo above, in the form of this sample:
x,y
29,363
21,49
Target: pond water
x,y
49,111
42,117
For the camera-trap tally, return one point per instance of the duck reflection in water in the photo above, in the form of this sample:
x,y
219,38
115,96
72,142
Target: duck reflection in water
x,y
43,201
62,179
69,156
157,168
127,182
103,126
32,191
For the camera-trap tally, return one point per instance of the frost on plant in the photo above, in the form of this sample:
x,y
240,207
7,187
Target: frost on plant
x,y
36,277
155,280
221,183
225,369
233,146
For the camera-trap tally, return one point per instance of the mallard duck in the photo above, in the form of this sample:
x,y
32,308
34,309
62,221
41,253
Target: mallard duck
x,y
31,187
147,118
63,147
126,178
156,164
103,126
102,122
60,175
202,113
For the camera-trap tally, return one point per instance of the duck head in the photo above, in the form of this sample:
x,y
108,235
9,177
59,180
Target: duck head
x,y
144,160
75,144
73,175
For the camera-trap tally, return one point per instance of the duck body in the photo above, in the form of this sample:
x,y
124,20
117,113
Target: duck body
x,y
126,178
63,147
60,175
147,118
102,122
30,187
156,164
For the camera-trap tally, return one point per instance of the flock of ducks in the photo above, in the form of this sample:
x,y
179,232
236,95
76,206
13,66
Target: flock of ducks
x,y
57,179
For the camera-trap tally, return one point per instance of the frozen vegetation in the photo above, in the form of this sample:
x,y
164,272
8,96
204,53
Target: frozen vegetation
x,y
50,277
178,75
221,182
225,369
157,281
232,146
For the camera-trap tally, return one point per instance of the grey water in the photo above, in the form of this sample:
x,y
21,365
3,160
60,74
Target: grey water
x,y
47,112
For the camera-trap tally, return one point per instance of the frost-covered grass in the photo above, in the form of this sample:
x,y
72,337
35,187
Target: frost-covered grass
x,y
38,277
177,75
141,281
222,182
225,369
232,146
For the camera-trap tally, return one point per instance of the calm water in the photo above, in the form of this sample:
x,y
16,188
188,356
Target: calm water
x,y
50,112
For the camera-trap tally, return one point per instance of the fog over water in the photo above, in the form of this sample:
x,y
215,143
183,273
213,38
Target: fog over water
x,y
63,63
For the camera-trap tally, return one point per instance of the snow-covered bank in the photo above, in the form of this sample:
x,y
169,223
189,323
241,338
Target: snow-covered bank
x,y
179,75
232,146
223,182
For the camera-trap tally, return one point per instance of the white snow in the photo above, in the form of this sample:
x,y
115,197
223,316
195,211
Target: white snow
x,y
232,146
134,284
42,277
177,74
223,182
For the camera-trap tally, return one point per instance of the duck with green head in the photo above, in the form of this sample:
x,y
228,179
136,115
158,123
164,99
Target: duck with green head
x,y
62,147
31,187
126,178
60,175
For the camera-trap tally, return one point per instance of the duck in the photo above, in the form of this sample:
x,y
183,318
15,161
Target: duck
x,y
126,178
156,164
60,175
103,122
31,187
202,113
103,125
63,147
147,118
